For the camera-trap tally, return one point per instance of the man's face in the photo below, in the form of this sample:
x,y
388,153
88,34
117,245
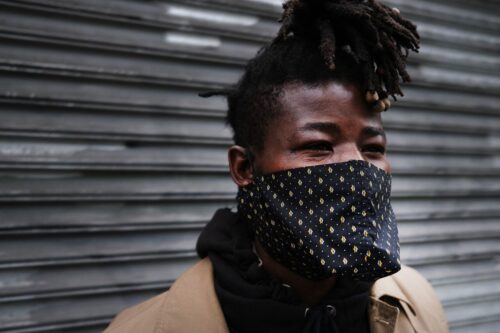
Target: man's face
x,y
330,123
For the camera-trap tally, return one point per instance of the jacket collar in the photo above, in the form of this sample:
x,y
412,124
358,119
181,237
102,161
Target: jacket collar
x,y
387,302
382,316
388,288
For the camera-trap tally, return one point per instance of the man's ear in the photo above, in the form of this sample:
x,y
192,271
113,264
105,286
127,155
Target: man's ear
x,y
240,166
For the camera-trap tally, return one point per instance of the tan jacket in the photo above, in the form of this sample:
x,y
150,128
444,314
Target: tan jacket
x,y
403,302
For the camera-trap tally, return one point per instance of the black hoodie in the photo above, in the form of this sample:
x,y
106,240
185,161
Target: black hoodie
x,y
254,301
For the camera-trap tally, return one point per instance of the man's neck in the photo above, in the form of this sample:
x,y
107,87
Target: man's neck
x,y
311,292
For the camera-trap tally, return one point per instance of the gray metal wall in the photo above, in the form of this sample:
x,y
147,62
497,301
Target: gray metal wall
x,y
110,164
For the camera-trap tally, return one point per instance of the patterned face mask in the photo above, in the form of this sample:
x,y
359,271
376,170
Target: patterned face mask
x,y
325,219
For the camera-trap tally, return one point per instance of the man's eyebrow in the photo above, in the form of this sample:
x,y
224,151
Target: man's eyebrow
x,y
321,126
371,131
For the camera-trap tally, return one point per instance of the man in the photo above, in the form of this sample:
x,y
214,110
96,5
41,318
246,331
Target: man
x,y
313,246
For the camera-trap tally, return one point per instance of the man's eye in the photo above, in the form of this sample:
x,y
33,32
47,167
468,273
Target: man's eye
x,y
320,146
375,149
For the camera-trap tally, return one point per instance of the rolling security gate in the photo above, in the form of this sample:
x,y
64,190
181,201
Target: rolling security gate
x,y
110,164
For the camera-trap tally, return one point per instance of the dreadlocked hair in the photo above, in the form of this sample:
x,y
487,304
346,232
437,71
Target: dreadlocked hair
x,y
362,42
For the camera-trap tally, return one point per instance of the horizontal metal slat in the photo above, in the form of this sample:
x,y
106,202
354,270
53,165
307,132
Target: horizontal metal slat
x,y
445,184
413,138
484,324
53,247
57,295
55,262
453,37
467,61
462,313
135,94
438,159
455,268
408,117
432,206
436,76
187,157
450,250
473,288
36,282
125,65
66,310
449,229
75,326
453,13
454,100
23,216
186,77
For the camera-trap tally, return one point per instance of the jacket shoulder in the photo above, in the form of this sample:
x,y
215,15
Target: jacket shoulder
x,y
416,297
138,318
190,305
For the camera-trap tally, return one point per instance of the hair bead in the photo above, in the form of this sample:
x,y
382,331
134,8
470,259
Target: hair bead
x,y
371,96
379,107
387,103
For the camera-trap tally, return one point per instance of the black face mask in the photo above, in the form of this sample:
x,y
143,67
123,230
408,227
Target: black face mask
x,y
325,219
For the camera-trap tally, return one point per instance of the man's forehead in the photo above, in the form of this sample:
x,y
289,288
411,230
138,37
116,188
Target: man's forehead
x,y
305,94
328,102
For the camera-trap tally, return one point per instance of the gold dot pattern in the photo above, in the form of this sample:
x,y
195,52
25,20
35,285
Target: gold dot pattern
x,y
327,219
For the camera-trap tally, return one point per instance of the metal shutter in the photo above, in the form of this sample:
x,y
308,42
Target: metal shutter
x,y
111,165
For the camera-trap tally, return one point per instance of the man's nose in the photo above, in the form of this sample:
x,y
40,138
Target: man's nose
x,y
347,152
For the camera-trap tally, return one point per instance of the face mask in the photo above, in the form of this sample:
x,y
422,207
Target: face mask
x,y
325,219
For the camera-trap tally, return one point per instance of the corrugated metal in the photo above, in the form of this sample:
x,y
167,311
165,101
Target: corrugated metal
x,y
110,164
